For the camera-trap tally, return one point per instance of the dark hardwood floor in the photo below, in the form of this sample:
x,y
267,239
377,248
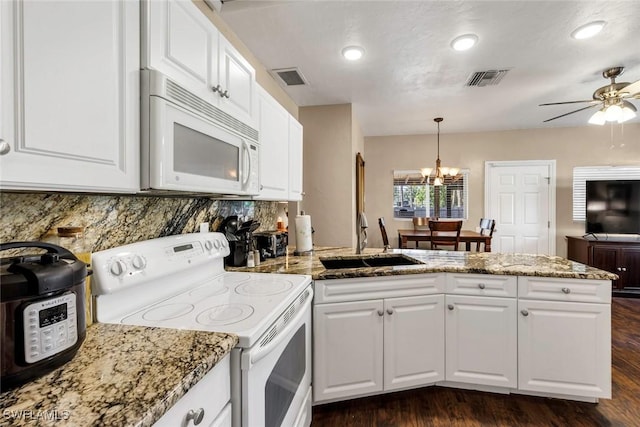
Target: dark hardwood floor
x,y
440,406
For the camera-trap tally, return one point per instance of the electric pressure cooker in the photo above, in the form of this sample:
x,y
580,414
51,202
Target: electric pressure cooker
x,y
42,311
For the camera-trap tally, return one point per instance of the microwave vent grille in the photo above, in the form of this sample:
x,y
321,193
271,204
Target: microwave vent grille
x,y
183,96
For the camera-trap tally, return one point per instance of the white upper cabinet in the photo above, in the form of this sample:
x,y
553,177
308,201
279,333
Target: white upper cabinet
x,y
69,82
181,42
295,159
281,151
273,120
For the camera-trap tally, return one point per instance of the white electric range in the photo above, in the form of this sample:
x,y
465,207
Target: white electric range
x,y
179,282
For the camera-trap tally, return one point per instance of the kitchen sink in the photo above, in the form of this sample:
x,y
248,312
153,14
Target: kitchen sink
x,y
331,263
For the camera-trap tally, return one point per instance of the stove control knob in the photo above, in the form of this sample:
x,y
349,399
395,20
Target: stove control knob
x,y
217,244
118,268
138,262
208,245
224,243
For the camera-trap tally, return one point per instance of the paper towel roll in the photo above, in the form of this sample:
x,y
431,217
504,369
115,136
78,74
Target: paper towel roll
x,y
304,242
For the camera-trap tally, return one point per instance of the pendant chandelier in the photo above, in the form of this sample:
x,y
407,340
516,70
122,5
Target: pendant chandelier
x,y
439,173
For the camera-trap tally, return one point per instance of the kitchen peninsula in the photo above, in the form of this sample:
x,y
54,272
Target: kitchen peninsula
x,y
430,262
506,323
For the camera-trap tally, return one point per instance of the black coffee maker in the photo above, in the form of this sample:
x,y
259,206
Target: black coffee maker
x,y
239,235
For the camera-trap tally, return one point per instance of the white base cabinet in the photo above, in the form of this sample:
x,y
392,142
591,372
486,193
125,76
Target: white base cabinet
x,y
564,348
69,86
208,402
347,351
384,344
530,335
413,337
482,340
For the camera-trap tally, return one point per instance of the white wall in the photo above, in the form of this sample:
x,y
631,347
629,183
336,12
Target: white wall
x,y
583,146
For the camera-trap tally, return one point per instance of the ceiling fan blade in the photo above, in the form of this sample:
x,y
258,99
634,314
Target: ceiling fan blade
x,y
571,112
569,102
632,90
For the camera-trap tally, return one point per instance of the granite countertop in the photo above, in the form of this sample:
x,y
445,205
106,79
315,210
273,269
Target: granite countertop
x,y
121,376
430,262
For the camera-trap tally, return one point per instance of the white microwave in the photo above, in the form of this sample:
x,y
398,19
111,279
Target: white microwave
x,y
190,145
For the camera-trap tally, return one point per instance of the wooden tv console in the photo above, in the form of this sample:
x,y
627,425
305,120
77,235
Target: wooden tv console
x,y
617,255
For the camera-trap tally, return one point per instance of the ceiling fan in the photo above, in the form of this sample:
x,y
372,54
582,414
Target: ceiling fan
x,y
612,98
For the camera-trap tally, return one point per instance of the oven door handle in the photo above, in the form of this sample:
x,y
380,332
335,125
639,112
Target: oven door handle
x,y
251,357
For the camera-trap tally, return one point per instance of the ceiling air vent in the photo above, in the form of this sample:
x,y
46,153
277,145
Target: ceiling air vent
x,y
486,78
290,76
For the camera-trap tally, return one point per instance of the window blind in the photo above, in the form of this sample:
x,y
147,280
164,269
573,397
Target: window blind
x,y
582,174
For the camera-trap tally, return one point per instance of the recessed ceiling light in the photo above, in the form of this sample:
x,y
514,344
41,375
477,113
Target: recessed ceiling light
x,y
464,42
353,53
588,30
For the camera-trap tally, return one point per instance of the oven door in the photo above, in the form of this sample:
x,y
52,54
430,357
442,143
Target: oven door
x,y
276,376
190,153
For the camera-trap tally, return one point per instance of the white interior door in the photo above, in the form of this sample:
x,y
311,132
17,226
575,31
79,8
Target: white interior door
x,y
520,196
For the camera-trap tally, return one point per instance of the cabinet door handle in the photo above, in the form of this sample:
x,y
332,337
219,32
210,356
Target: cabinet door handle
x,y
566,290
619,269
225,94
4,147
216,89
380,313
389,311
450,306
524,312
196,416
623,269
481,285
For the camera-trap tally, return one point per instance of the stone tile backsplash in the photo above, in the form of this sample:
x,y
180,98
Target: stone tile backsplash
x,y
111,221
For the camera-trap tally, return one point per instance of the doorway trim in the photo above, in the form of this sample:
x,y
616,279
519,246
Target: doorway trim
x,y
489,165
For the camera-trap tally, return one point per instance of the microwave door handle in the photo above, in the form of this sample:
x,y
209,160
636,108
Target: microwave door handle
x,y
246,160
251,357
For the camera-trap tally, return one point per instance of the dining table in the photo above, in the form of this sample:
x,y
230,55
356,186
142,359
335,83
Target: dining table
x,y
424,235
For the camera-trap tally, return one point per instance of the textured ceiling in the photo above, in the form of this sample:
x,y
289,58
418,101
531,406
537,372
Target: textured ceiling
x,y
410,74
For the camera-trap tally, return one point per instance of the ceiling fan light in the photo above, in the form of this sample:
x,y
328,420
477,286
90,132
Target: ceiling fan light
x,y
437,181
453,171
444,170
613,113
426,171
464,42
627,113
598,118
588,30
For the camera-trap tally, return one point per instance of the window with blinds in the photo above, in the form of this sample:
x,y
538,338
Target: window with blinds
x,y
582,174
414,197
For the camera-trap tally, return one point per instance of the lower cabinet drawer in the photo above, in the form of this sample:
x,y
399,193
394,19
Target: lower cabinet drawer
x,y
482,285
570,290
206,399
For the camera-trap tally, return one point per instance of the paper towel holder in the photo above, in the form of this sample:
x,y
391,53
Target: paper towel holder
x,y
297,252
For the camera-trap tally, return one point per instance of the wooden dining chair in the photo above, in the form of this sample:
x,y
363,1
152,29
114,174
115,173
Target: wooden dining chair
x,y
486,229
445,233
383,230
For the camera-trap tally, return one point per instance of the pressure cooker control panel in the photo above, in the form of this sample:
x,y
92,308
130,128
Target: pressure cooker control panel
x,y
50,326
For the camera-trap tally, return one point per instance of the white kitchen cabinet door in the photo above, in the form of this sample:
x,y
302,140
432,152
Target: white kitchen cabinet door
x,y
274,148
237,81
182,43
413,341
70,112
481,340
348,349
295,159
564,348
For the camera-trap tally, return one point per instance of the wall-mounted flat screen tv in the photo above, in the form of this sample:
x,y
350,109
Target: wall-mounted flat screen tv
x,y
613,207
